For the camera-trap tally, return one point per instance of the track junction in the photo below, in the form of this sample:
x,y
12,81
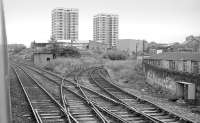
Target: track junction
x,y
88,97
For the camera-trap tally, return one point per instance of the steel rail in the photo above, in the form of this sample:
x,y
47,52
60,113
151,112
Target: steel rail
x,y
139,99
46,92
76,84
102,109
120,101
107,98
38,116
99,114
92,107
63,101
124,104
26,95
101,96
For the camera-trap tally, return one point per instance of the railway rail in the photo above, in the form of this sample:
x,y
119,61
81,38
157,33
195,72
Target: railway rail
x,y
101,82
44,106
109,103
76,108
107,108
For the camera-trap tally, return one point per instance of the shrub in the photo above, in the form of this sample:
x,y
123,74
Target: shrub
x,y
115,55
66,65
71,52
122,69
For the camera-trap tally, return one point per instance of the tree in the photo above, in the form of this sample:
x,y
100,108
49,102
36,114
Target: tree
x,y
71,52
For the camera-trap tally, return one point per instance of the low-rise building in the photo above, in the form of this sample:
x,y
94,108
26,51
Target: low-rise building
x,y
42,58
131,46
177,72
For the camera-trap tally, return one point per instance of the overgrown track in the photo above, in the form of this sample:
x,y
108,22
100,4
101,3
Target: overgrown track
x,y
101,83
77,108
44,107
114,105
104,107
75,99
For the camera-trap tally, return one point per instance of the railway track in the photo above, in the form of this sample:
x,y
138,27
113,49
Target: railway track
x,y
100,82
44,107
105,107
77,108
110,106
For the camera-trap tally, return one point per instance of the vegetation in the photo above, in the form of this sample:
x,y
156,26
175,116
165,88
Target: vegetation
x,y
115,55
71,52
66,65
16,48
123,70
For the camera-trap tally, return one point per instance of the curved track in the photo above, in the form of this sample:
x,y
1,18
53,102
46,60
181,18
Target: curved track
x,y
104,101
108,109
97,78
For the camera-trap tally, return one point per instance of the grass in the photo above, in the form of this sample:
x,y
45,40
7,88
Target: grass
x,y
123,70
129,74
126,73
66,65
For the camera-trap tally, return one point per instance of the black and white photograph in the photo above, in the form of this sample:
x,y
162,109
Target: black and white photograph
x,y
100,61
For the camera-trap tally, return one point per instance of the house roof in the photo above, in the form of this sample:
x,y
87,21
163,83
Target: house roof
x,y
193,56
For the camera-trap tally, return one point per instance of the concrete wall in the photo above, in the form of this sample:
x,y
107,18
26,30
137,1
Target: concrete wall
x,y
169,82
179,65
41,59
166,82
167,79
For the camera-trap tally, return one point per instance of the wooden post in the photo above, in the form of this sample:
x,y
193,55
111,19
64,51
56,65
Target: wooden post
x,y
5,113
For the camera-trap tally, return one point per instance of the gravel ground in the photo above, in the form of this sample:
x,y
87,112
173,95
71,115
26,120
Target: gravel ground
x,y
142,89
20,108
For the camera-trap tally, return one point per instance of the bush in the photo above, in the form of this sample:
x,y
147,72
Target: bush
x,y
123,70
71,52
66,65
115,55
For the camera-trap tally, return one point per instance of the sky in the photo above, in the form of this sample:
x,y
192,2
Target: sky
x,y
162,21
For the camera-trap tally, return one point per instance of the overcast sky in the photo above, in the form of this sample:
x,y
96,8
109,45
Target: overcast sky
x,y
163,21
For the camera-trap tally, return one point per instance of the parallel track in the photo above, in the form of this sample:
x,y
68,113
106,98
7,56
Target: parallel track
x,y
107,105
101,83
44,107
108,109
76,105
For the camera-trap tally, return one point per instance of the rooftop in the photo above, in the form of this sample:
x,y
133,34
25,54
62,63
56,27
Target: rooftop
x,y
194,56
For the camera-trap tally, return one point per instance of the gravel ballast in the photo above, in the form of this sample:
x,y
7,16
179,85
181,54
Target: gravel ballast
x,y
19,106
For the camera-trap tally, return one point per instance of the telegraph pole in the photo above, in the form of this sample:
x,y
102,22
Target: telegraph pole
x,y
5,110
136,47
